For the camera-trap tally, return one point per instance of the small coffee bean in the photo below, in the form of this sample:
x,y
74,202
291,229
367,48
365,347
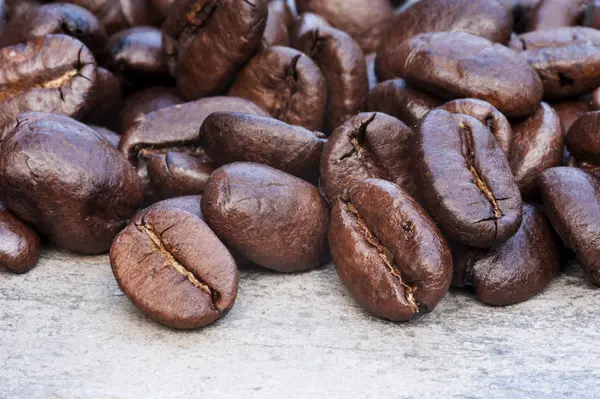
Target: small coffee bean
x,y
570,110
583,139
144,102
278,24
305,22
108,96
557,37
19,244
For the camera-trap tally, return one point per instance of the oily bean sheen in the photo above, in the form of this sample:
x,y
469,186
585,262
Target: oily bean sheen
x,y
363,20
388,252
556,13
174,269
343,64
287,84
465,180
570,110
397,98
372,76
556,37
228,137
370,145
274,219
19,244
583,138
572,201
54,73
146,101
484,18
305,22
68,181
456,65
209,40
107,99
516,270
278,24
487,114
538,143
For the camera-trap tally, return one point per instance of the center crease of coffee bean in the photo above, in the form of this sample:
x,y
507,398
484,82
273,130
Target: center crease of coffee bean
x,y
198,14
290,86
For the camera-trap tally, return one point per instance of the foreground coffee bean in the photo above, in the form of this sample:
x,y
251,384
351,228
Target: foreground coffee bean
x,y
229,137
174,269
388,252
274,219
67,181
465,180
583,139
19,244
516,270
572,201
144,102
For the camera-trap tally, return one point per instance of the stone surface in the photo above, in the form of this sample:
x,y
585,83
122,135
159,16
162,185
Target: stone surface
x,y
66,331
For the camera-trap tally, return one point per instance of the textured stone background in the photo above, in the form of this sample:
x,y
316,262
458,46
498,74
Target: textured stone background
x,y
66,331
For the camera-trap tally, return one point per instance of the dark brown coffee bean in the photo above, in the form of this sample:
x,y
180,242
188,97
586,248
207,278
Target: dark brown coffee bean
x,y
274,219
68,181
174,269
305,22
465,180
278,24
583,138
397,98
209,40
144,102
108,96
572,201
556,13
370,145
285,83
484,18
343,64
516,270
557,37
537,144
229,137
487,114
388,252
110,136
19,244
570,110
54,73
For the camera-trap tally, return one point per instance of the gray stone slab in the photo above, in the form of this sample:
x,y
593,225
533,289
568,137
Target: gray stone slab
x,y
66,331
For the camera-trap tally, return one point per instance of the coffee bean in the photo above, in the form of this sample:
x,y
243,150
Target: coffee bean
x,y
279,21
388,252
516,270
305,22
274,219
108,96
572,202
556,37
144,102
110,136
343,64
229,137
582,138
19,244
591,14
68,181
465,180
208,41
174,269
556,13
287,84
570,110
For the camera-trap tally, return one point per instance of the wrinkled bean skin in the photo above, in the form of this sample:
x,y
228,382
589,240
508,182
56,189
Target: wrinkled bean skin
x,y
305,22
583,138
388,252
370,145
110,136
54,73
19,244
465,180
538,143
569,111
144,102
174,269
572,202
277,27
229,137
556,37
287,84
397,98
516,270
67,181
450,65
556,13
343,64
107,99
484,18
274,219
207,42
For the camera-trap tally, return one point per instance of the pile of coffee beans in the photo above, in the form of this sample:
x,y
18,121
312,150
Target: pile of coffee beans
x,y
418,145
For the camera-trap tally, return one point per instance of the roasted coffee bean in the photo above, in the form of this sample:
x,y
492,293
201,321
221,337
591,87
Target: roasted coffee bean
x,y
274,219
144,102
570,110
370,145
591,14
110,136
208,41
229,137
556,13
305,22
68,181
108,96
537,144
174,269
487,114
557,37
583,138
516,270
484,18
572,201
388,252
363,21
450,65
397,98
54,73
278,24
465,180
19,244
285,83
343,64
